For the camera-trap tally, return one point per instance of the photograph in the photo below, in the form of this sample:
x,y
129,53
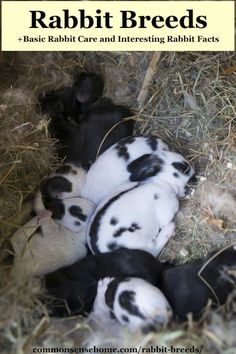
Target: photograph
x,y
94,256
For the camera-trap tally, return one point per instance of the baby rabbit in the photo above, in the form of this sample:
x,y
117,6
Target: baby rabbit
x,y
71,103
76,285
66,182
120,163
133,302
43,244
86,141
80,120
132,159
140,215
188,293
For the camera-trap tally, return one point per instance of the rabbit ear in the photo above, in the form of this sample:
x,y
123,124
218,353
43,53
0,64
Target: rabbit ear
x,y
145,166
182,167
111,291
57,208
52,187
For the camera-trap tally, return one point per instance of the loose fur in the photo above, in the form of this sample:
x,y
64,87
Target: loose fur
x,y
219,202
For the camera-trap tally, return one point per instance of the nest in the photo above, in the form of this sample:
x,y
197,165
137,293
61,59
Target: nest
x,y
190,103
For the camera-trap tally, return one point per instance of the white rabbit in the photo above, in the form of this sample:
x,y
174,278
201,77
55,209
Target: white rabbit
x,y
139,217
114,166
132,159
43,245
133,302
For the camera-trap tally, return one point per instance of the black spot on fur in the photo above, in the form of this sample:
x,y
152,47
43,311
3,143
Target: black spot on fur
x,y
193,179
64,169
134,226
77,212
112,316
112,246
58,209
130,229
122,149
93,232
125,318
145,166
182,167
123,152
156,196
120,231
126,300
128,140
61,184
175,174
111,291
77,223
136,163
52,187
152,142
114,221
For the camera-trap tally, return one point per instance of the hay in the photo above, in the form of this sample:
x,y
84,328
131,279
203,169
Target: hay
x,y
190,104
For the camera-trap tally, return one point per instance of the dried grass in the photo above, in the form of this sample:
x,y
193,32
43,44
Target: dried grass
x,y
191,104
